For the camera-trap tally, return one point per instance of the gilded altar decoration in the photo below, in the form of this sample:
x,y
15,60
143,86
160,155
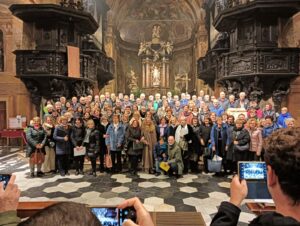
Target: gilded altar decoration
x,y
155,56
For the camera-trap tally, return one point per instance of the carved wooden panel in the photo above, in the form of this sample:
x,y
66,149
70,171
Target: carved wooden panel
x,y
241,66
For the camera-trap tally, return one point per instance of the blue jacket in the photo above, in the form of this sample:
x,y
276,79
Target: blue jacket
x,y
62,147
267,131
226,138
115,139
218,110
281,119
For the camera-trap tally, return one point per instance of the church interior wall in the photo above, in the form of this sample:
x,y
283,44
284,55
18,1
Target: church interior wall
x,y
290,37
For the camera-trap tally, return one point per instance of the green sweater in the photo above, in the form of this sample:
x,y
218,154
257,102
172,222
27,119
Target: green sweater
x,y
9,218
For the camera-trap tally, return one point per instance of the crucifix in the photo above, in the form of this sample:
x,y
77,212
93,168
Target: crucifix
x,y
184,78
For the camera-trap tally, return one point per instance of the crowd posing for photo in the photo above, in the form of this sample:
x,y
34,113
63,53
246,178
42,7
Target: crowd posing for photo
x,y
155,134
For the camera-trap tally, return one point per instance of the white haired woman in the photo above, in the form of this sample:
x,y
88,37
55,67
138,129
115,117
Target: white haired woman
x,y
36,138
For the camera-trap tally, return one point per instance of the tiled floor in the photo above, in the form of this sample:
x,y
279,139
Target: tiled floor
x,y
202,193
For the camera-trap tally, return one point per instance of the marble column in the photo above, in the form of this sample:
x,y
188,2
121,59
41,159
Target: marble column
x,y
163,80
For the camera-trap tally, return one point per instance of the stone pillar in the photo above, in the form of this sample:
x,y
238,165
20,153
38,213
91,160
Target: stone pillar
x,y
144,74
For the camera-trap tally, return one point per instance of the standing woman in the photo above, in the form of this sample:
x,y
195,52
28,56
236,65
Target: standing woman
x,y
134,145
114,142
241,141
91,142
197,150
205,130
77,136
62,137
102,134
162,129
220,140
149,133
36,139
256,140
49,164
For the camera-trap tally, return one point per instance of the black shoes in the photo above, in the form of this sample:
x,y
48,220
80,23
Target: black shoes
x,y
76,172
157,174
40,174
32,175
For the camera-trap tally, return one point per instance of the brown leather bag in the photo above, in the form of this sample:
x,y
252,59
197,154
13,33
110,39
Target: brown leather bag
x,y
37,157
108,162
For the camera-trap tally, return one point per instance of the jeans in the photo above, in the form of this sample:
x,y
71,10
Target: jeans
x,y
157,163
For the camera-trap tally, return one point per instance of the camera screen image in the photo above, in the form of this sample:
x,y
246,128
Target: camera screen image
x,y
107,216
253,170
5,179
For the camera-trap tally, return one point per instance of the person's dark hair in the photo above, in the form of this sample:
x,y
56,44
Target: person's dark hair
x,y
282,153
78,118
231,116
63,214
269,117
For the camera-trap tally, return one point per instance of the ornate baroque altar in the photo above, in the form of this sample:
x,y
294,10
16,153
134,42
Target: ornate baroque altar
x,y
155,55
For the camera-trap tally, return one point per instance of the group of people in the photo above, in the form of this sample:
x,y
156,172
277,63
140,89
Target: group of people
x,y
282,151
121,129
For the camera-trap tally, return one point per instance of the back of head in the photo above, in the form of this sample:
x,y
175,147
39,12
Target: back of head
x,y
283,155
63,214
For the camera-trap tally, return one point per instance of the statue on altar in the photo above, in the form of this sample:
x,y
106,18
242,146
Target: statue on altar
x,y
155,76
156,33
132,81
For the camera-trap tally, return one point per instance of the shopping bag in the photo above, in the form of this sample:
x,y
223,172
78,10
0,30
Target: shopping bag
x,y
214,164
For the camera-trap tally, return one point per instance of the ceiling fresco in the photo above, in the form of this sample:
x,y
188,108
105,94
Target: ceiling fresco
x,y
134,19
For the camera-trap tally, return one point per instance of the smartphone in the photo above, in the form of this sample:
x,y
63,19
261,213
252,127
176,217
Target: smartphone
x,y
5,179
252,170
113,216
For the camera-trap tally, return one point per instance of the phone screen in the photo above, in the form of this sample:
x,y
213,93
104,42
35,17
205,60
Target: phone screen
x,y
5,179
252,170
111,216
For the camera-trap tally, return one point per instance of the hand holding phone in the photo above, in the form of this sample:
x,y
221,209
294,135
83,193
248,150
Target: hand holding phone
x,y
113,216
9,198
238,191
143,217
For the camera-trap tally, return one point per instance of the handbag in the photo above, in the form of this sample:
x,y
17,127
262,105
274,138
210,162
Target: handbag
x,y
244,147
37,157
137,146
108,162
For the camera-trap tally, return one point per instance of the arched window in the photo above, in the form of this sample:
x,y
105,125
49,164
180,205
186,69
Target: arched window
x,y
1,51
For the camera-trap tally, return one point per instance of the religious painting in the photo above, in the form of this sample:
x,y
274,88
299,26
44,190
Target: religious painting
x,y
129,72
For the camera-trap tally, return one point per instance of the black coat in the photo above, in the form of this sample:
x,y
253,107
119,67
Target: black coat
x,y
77,135
133,134
205,134
93,148
228,215
102,131
242,136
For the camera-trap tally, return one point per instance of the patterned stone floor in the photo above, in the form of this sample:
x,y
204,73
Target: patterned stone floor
x,y
201,193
